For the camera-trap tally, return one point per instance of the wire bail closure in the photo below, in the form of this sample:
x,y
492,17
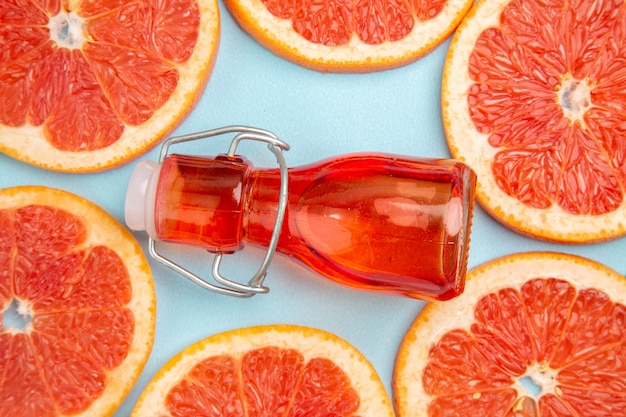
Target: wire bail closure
x,y
224,285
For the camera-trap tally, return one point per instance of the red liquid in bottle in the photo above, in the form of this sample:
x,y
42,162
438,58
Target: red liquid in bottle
x,y
370,221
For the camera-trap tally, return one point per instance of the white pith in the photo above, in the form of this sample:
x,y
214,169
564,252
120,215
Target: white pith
x,y
67,29
279,33
103,230
472,147
507,272
28,143
311,343
23,313
574,96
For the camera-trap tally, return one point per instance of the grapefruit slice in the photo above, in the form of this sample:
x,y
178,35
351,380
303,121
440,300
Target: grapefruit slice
x,y
90,84
534,334
533,100
342,36
77,306
272,370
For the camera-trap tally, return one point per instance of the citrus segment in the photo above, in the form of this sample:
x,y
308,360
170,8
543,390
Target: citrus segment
x,y
534,334
270,367
533,100
92,84
273,370
26,383
81,288
343,36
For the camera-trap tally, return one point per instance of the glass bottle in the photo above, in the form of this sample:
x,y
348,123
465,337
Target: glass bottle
x,y
370,221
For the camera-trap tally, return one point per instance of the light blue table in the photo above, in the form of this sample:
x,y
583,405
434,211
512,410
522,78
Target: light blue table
x,y
319,115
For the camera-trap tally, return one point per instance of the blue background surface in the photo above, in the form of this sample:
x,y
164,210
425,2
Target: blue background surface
x,y
319,115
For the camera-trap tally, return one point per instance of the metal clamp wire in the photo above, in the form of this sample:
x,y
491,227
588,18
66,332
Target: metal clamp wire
x,y
255,284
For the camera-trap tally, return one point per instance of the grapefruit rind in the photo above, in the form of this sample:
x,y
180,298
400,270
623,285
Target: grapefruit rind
x,y
311,343
470,146
103,229
278,36
28,144
512,271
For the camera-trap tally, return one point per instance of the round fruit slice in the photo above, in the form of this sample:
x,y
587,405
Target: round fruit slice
x,y
533,100
89,85
280,370
77,306
342,36
534,334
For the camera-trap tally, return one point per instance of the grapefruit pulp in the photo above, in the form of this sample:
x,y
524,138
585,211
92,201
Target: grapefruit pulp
x,y
77,306
534,334
533,100
87,85
341,36
271,370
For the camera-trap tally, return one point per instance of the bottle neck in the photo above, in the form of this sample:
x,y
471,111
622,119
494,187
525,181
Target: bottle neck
x,y
261,197
199,201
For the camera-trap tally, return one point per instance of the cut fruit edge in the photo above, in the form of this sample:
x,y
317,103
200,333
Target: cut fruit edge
x,y
278,36
471,147
103,229
509,271
310,342
28,144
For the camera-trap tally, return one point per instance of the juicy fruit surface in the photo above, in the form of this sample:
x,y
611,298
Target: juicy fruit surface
x,y
544,337
76,294
267,371
318,386
339,36
83,76
543,110
334,23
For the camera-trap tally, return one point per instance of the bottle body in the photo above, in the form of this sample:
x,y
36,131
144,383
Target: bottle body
x,y
370,221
